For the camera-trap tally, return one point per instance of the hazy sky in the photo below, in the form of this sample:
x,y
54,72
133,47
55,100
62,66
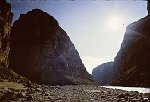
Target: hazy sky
x,y
96,27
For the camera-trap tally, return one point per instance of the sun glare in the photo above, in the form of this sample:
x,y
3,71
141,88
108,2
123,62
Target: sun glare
x,y
114,23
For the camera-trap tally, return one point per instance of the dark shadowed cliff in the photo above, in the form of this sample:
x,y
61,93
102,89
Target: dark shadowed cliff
x,y
42,51
132,63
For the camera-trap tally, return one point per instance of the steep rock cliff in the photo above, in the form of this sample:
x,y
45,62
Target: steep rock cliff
x,y
5,28
42,51
103,74
132,63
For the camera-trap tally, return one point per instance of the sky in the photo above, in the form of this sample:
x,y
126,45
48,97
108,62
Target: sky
x,y
96,27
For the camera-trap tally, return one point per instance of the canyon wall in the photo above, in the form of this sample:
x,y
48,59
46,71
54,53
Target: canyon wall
x,y
42,51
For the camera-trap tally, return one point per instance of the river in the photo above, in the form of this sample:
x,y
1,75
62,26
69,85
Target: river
x,y
139,89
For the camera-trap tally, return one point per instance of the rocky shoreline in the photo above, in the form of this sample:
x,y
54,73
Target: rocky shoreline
x,y
69,93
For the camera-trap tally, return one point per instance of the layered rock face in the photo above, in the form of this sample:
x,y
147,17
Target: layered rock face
x,y
42,51
132,63
103,74
5,28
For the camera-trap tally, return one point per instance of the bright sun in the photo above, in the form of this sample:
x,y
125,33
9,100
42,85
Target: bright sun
x,y
114,23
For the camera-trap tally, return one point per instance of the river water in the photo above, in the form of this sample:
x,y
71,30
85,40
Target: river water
x,y
139,89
